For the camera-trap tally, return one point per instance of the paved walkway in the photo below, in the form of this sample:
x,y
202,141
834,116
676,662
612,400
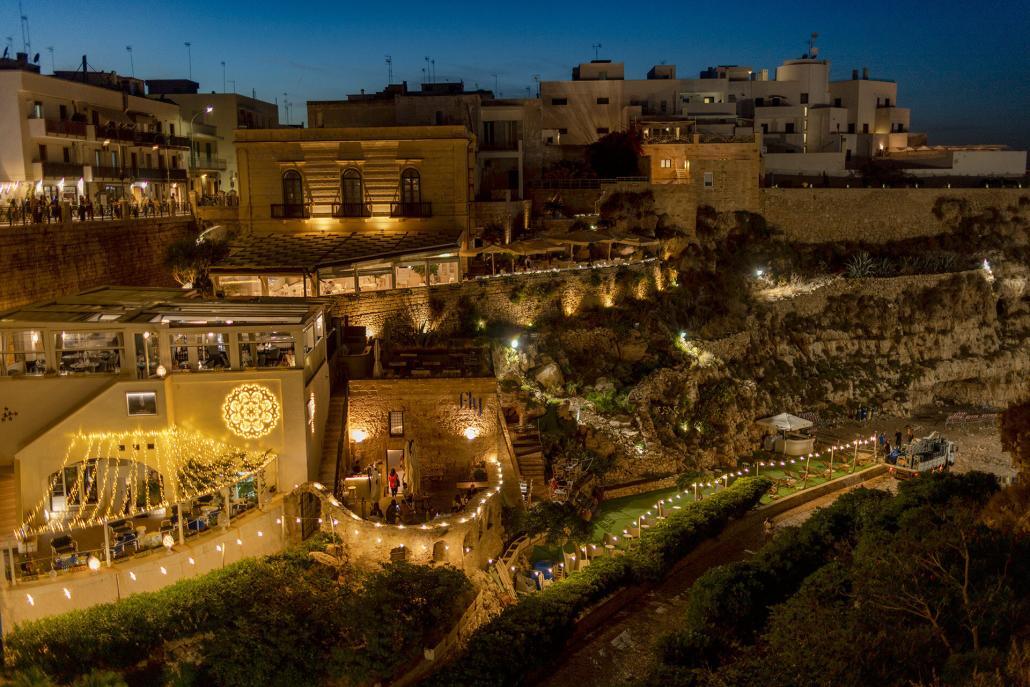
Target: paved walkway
x,y
623,650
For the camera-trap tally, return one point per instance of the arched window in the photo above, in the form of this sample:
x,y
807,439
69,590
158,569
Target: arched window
x,y
411,186
293,188
350,187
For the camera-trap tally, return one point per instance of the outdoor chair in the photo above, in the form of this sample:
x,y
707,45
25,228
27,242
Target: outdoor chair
x,y
63,545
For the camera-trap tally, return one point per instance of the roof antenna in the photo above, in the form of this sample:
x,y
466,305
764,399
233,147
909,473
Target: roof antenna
x,y
389,70
596,47
26,42
813,51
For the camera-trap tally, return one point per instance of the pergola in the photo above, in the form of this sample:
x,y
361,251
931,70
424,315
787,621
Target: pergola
x,y
135,473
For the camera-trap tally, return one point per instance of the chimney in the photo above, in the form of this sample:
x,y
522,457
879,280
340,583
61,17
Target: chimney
x,y
854,75
865,73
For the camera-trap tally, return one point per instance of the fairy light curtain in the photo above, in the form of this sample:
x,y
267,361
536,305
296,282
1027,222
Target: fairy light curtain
x,y
125,474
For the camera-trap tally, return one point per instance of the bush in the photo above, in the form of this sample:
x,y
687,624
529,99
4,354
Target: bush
x,y
283,617
529,635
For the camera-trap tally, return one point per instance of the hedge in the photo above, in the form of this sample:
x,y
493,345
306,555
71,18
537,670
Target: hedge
x,y
529,635
281,616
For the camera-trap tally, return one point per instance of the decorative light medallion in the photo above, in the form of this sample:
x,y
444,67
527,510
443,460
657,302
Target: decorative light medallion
x,y
251,411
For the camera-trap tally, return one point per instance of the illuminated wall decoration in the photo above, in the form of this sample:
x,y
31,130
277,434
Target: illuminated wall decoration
x,y
251,411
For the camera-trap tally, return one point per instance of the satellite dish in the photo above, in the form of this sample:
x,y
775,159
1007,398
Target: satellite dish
x,y
35,59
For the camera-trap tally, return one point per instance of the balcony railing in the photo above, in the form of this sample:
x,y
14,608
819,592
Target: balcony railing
x,y
62,169
411,209
158,174
290,211
351,210
65,127
499,145
216,163
102,172
115,133
178,142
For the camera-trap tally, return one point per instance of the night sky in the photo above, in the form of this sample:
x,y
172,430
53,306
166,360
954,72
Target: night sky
x,y
963,68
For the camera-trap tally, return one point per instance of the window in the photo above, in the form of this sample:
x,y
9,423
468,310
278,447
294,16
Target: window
x,y
838,102
410,274
759,102
709,180
23,353
319,327
396,423
293,188
243,285
309,339
66,154
666,164
664,106
562,131
789,127
379,278
865,128
602,101
887,102
804,98
351,191
443,272
200,352
851,127
42,153
141,402
708,100
602,130
63,112
288,286
411,186
559,101
148,354
267,349
89,352
765,128
37,110
171,129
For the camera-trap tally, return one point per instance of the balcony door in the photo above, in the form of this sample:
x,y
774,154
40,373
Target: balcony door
x,y
411,187
293,189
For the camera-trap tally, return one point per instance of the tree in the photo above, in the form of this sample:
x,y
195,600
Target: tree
x,y
189,260
616,155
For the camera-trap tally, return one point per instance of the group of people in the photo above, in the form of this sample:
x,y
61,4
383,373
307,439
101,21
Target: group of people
x,y
37,210
885,444
402,512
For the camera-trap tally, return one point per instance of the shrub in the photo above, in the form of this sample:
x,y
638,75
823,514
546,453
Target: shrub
x,y
281,617
529,635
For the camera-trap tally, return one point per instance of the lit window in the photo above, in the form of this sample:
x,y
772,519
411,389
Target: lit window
x,y
709,180
666,164
396,423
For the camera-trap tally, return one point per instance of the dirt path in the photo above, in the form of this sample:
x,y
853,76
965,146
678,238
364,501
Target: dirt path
x,y
623,650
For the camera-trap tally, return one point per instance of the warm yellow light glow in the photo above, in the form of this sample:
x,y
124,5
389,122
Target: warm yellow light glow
x,y
251,411
358,435
471,433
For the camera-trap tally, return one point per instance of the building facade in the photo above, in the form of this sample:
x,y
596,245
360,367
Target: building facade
x,y
99,138
342,210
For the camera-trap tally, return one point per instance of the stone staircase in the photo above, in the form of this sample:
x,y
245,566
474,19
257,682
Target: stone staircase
x,y
530,456
332,443
8,510
322,174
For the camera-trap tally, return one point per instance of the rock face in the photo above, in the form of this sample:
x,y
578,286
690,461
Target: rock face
x,y
549,376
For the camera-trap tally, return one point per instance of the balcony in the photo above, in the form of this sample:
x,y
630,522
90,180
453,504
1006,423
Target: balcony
x,y
101,172
411,209
178,142
201,130
499,146
158,174
351,210
210,163
115,133
54,170
290,211
65,127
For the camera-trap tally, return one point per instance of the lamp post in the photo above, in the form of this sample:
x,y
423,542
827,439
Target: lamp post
x,y
207,110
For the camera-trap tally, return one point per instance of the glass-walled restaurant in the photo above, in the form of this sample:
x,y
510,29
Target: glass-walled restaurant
x,y
402,273
196,336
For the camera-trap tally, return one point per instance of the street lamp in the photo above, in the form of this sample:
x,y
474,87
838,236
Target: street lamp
x,y
207,110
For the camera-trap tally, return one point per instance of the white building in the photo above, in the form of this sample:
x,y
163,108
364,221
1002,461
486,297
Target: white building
x,y
90,134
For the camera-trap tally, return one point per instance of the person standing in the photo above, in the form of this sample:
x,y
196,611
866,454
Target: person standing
x,y
393,512
395,481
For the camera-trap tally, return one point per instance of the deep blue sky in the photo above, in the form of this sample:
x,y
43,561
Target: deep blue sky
x,y
963,67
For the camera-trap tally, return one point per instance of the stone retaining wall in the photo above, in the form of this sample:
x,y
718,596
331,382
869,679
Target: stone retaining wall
x,y
48,260
819,215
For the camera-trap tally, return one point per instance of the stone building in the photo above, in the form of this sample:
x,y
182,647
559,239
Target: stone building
x,y
213,162
344,210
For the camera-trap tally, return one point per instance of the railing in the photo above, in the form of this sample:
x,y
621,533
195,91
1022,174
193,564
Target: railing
x,y
351,210
102,172
43,213
499,145
178,142
65,127
582,183
116,133
157,174
218,163
204,129
62,169
290,211
423,209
